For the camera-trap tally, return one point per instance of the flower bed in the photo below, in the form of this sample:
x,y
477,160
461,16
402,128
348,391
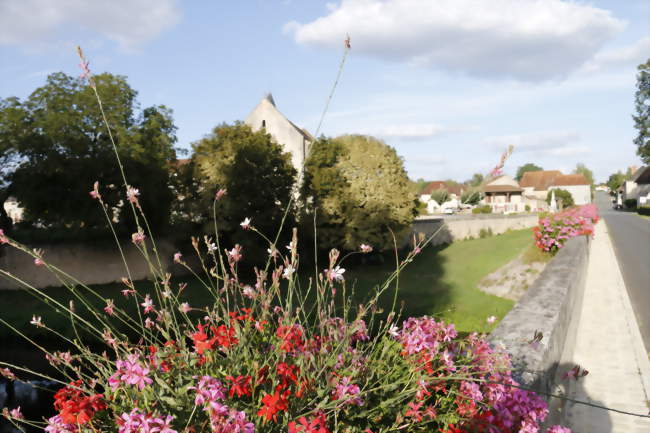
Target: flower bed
x,y
554,230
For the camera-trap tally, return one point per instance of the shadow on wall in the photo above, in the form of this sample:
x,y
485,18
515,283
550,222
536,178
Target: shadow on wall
x,y
580,418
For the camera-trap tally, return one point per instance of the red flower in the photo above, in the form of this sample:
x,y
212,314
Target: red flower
x,y
225,336
76,408
201,341
241,385
273,403
287,373
291,338
316,425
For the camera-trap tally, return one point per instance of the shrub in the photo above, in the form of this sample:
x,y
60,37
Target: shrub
x,y
440,196
356,189
643,210
555,230
484,233
527,208
482,209
630,203
562,197
471,196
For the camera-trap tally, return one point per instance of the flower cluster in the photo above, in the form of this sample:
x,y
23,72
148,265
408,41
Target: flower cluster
x,y
555,230
74,407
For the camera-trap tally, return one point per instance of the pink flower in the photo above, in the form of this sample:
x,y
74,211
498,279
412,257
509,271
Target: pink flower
x,y
220,194
5,372
246,224
234,255
39,262
130,372
147,304
56,425
95,192
346,392
36,321
177,257
109,307
138,237
108,337
558,429
16,413
132,194
365,248
249,292
148,323
3,238
335,274
491,319
185,308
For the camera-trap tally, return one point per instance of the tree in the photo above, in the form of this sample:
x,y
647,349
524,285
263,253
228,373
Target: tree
x,y
615,181
259,179
61,147
563,197
526,167
357,190
471,196
642,108
440,196
476,180
583,170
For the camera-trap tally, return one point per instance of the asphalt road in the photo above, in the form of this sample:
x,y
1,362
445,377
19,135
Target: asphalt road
x,y
630,235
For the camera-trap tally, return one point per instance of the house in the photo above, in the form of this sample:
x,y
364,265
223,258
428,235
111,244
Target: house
x,y
13,209
293,139
504,195
537,184
638,187
454,190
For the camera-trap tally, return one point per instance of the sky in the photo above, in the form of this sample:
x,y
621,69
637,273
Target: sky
x,y
448,83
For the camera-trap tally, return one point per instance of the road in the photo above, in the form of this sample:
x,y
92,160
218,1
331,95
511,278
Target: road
x,y
631,238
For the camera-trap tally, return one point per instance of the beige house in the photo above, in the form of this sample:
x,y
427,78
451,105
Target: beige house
x,y
537,184
293,139
504,195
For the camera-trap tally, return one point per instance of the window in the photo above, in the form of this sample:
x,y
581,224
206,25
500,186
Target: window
x,y
263,123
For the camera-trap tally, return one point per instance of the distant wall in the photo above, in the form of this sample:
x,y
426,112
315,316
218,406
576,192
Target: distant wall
x,y
90,264
551,306
460,227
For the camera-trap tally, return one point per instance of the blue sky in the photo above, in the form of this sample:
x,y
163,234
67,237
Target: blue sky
x,y
448,83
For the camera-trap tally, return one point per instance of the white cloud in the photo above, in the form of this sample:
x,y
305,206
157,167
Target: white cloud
x,y
627,56
529,40
542,143
415,131
130,23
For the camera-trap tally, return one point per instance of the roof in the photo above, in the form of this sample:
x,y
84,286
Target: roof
x,y
439,184
570,179
642,175
501,188
539,180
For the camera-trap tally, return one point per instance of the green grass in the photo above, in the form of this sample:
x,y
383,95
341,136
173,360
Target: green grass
x,y
441,281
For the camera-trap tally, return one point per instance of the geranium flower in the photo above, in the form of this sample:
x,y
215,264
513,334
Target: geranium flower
x,y
241,385
317,424
272,404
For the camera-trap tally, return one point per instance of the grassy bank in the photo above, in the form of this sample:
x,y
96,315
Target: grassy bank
x,y
441,281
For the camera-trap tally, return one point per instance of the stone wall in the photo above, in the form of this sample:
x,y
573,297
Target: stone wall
x,y
551,306
459,227
90,264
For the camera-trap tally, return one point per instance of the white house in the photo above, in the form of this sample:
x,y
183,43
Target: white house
x,y
293,139
537,184
576,184
638,187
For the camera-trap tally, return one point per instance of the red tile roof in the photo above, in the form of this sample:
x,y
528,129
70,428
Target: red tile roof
x,y
501,188
570,179
539,180
438,184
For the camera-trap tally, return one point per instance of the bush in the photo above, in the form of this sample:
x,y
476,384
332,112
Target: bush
x,y
630,203
563,197
471,196
643,210
484,233
527,208
357,191
482,209
440,196
555,230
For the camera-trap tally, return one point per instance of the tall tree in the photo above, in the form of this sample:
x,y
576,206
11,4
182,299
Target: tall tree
x,y
615,181
642,108
526,167
583,170
61,146
357,189
259,179
476,180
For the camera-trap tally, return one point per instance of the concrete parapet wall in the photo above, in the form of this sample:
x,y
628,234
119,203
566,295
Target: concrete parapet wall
x,y
460,227
551,306
89,264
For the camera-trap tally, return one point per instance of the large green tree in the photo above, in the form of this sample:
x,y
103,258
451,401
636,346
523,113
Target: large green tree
x,y
615,181
61,146
357,191
526,167
259,179
642,108
583,170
